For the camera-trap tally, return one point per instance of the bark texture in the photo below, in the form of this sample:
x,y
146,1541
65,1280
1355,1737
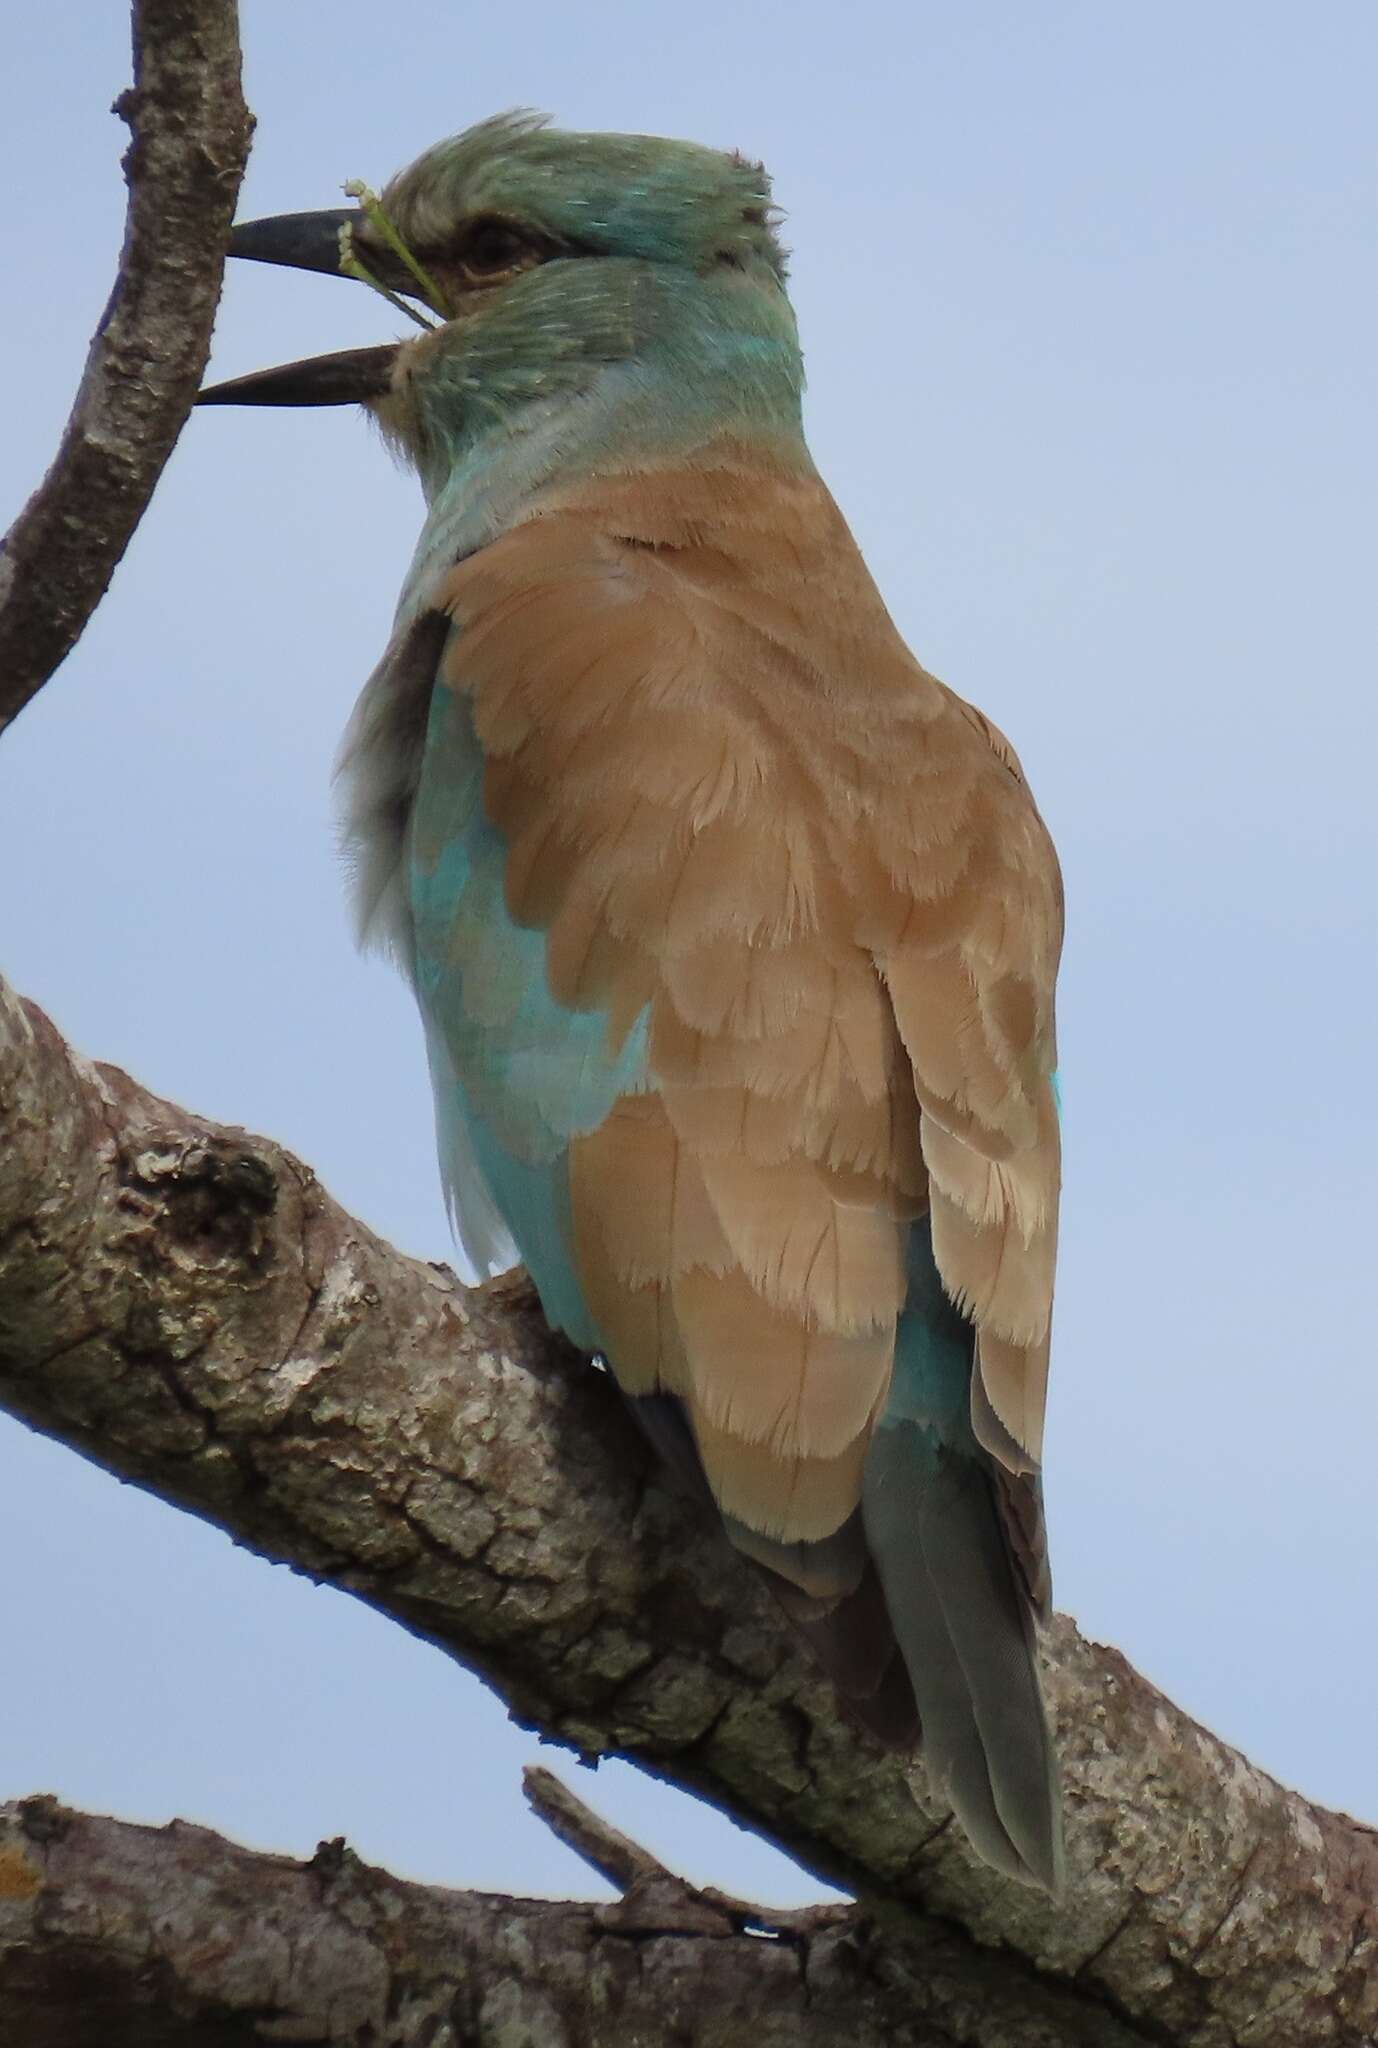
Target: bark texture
x,y
191,133
185,1304
114,1936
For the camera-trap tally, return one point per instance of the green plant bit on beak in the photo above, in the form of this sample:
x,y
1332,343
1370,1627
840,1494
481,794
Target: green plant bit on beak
x,y
352,266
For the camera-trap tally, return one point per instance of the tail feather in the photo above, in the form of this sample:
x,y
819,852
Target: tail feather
x,y
966,1634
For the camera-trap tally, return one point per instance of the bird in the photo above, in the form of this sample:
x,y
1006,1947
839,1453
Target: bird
x,y
734,932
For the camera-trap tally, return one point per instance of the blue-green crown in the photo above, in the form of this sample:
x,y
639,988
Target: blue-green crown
x,y
619,195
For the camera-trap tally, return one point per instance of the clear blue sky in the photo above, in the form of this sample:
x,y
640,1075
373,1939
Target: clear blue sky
x,y
1088,300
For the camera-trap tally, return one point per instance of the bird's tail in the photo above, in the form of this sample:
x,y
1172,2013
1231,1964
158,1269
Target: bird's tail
x,y
962,1617
916,1602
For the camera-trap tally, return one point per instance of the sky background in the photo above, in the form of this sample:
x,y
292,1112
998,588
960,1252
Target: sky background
x,y
1088,302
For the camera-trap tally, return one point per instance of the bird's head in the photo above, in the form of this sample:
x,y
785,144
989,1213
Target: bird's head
x,y
634,282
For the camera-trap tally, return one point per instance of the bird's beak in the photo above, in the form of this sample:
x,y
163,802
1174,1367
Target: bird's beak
x,y
347,378
303,241
311,241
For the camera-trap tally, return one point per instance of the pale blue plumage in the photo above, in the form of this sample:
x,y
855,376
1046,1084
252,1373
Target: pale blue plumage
x,y
535,1074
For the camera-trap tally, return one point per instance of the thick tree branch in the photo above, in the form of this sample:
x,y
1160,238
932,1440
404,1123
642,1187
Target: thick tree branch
x,y
185,1304
191,134
114,1936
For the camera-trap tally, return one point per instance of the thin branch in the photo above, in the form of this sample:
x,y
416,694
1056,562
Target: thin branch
x,y
191,134
185,1304
643,1878
603,1847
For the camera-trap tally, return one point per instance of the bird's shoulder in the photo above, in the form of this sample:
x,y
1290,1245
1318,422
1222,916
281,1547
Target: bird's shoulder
x,y
741,571
697,713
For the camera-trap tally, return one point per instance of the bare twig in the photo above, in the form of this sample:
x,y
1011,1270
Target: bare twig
x,y
641,1877
603,1847
185,1304
190,141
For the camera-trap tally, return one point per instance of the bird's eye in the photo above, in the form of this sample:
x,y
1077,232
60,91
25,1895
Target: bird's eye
x,y
491,247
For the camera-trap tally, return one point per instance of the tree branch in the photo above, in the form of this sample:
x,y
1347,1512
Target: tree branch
x,y
185,1304
604,1848
114,1936
191,134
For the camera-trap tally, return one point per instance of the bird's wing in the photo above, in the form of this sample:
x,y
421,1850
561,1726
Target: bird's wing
x,y
742,959
964,899
752,830
653,719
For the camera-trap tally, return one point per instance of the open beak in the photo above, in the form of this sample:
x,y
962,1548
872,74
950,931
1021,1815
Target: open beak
x,y
311,241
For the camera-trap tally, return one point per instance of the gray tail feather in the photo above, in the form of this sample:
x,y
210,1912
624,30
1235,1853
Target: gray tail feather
x,y
966,1632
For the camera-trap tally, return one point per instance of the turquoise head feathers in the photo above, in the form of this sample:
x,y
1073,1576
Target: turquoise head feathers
x,y
641,274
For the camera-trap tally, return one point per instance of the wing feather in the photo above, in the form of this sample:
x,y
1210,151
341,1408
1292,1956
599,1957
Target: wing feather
x,y
741,812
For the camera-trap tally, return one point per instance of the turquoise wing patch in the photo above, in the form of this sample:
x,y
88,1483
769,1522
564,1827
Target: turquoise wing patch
x,y
516,1074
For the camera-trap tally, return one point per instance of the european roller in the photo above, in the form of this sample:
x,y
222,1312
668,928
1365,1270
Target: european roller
x,y
733,931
